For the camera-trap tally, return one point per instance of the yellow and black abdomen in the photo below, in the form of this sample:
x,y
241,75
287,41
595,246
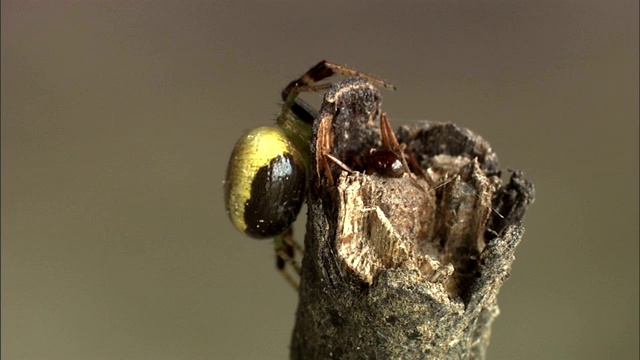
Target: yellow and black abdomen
x,y
265,184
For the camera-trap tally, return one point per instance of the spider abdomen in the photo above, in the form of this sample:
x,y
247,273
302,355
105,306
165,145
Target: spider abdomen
x,y
265,183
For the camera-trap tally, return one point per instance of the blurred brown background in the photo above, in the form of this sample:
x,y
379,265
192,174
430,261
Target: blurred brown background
x,y
118,118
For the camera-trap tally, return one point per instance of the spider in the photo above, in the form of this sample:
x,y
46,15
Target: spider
x,y
268,171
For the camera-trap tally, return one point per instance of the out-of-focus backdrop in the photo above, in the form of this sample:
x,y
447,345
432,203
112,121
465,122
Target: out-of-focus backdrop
x,y
118,118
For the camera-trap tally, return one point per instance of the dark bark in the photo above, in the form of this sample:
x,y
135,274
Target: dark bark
x,y
409,267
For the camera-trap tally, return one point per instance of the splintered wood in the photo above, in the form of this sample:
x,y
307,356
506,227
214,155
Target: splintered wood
x,y
388,223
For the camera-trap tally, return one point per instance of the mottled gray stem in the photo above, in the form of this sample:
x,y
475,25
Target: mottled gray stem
x,y
401,268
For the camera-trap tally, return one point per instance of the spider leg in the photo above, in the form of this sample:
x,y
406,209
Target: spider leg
x,y
285,255
319,72
389,139
384,123
325,69
339,163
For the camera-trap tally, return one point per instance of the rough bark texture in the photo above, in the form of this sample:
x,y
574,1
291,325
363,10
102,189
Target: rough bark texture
x,y
409,267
